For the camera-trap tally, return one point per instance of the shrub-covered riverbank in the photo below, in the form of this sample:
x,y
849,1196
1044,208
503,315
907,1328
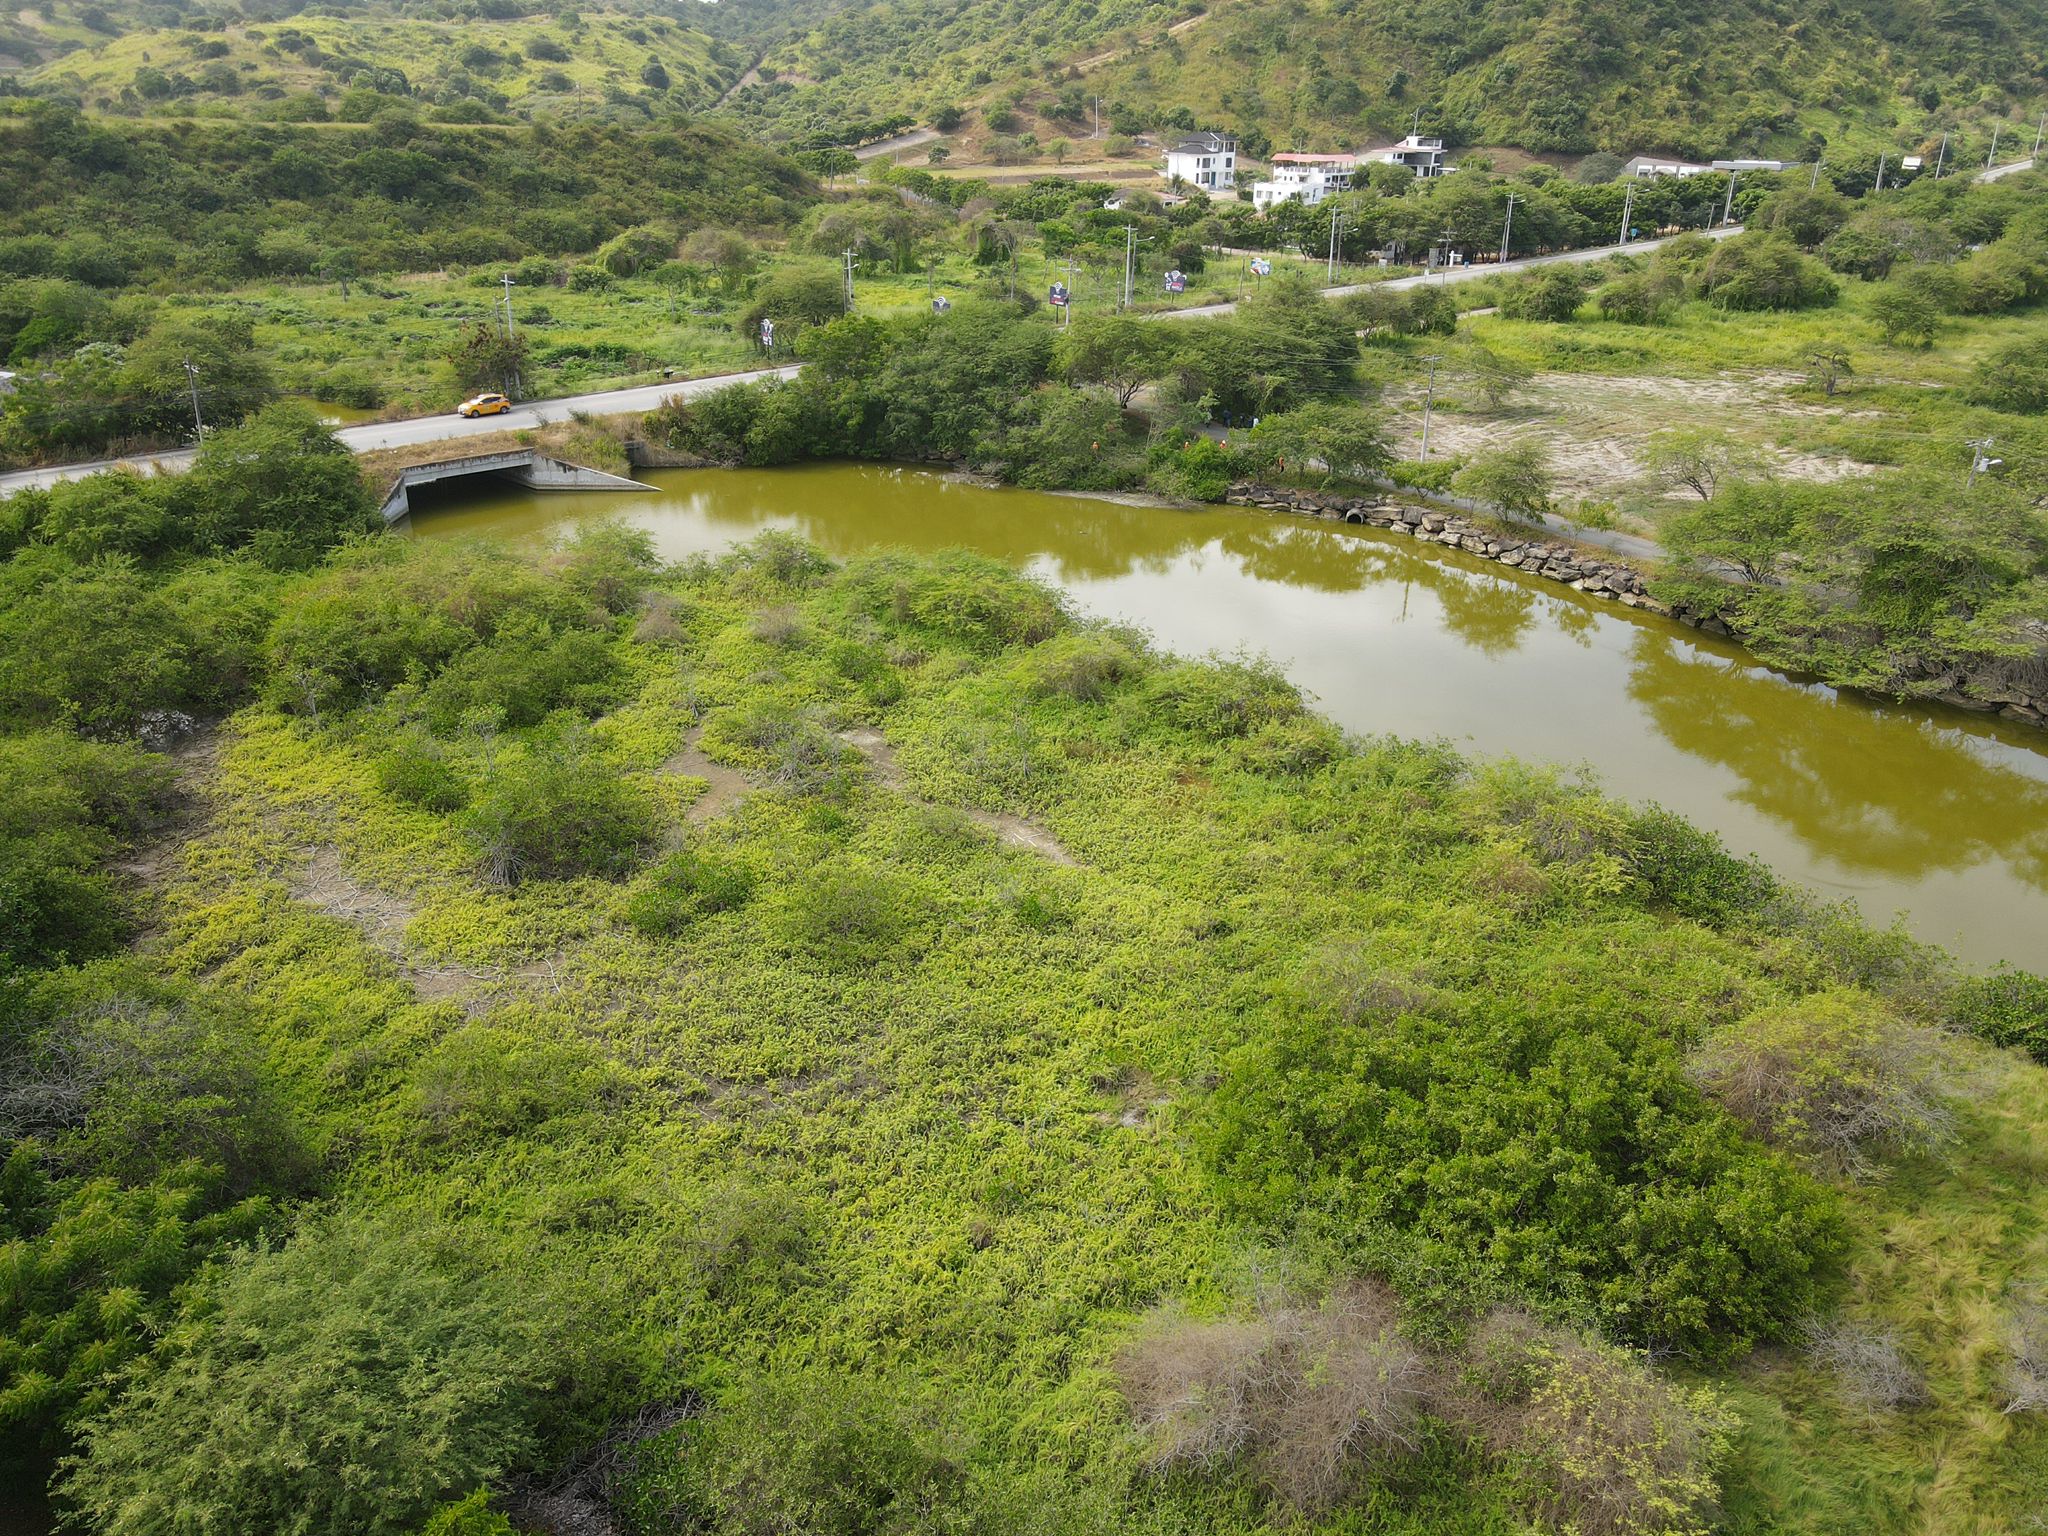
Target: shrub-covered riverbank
x,y
853,1049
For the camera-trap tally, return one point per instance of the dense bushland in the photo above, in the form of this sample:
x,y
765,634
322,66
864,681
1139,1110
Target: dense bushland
x,y
669,1162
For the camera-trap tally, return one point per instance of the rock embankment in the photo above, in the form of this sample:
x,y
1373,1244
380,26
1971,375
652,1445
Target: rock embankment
x,y
1595,575
1604,577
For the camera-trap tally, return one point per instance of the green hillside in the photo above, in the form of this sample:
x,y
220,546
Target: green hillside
x,y
1547,75
481,59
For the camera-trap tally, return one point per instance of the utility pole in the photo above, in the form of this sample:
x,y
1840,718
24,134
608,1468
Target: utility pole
x,y
847,256
507,281
1814,180
1878,185
1098,118
192,379
1508,228
1728,208
1330,271
1429,399
2038,133
1628,208
1941,159
1130,251
1988,159
1979,448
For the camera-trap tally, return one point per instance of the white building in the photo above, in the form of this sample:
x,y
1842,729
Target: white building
x,y
1657,165
1305,179
1205,160
1418,153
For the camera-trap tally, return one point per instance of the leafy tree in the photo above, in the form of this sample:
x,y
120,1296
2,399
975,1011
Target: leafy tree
x,y
1759,270
280,486
1496,377
1904,315
1697,460
232,379
353,1379
1071,439
2014,377
1554,294
1516,478
795,297
1119,352
487,358
1347,441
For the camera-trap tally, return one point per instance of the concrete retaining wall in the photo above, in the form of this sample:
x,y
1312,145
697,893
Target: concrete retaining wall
x,y
524,467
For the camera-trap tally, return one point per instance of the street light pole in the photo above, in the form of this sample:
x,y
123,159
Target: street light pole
x,y
1508,228
192,379
1979,447
1429,399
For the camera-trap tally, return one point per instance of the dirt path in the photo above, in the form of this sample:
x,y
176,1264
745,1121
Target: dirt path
x,y
1013,830
724,786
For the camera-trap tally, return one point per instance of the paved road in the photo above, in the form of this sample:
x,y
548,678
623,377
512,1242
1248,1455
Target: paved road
x,y
1466,274
1999,172
372,436
909,140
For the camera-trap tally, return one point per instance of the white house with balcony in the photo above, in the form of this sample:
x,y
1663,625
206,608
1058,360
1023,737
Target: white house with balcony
x,y
1420,153
1662,165
1205,160
1304,179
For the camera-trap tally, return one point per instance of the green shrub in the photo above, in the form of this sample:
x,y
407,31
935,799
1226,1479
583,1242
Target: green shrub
x,y
556,809
418,770
968,598
482,1085
1476,1145
686,886
1224,700
392,611
1837,1076
750,1236
849,917
66,807
354,1379
822,1451
472,1516
525,674
1693,873
2006,1008
2014,377
1084,665
132,1076
1607,1448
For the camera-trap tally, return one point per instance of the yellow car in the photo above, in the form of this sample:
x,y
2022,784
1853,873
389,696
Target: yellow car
x,y
483,405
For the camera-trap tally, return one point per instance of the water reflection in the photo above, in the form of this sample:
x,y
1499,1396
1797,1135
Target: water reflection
x,y
1941,816
1891,792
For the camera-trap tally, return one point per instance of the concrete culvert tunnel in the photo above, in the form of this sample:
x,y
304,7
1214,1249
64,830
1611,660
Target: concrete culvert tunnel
x,y
523,467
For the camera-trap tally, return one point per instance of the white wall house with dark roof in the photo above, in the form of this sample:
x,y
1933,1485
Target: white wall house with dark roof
x,y
1204,160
